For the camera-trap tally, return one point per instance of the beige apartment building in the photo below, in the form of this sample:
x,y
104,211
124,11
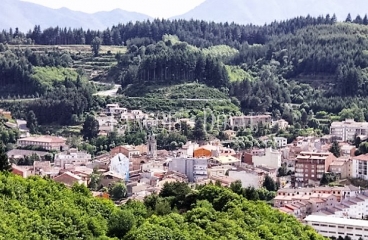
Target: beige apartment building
x,y
45,142
347,129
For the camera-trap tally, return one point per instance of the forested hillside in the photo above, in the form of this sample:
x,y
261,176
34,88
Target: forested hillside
x,y
36,208
309,61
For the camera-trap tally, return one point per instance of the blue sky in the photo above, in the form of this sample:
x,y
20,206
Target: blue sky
x,y
153,8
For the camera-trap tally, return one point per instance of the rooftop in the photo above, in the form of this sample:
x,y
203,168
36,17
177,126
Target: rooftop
x,y
226,159
44,138
337,221
361,157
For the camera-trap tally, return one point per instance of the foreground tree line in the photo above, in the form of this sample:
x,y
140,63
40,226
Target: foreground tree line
x,y
37,208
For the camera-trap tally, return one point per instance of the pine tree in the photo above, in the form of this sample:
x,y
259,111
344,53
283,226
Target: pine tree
x,y
4,161
335,149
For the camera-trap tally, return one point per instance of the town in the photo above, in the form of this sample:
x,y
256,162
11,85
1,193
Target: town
x,y
301,171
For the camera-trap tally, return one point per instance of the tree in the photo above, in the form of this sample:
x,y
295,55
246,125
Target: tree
x,y
269,184
199,133
90,128
96,45
32,124
4,161
335,149
117,191
120,223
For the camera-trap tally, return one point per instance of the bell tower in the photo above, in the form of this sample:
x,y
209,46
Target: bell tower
x,y
152,146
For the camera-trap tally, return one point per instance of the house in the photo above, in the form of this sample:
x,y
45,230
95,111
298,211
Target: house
x,y
250,121
249,177
225,160
5,114
187,150
110,177
205,151
194,168
282,124
72,157
106,123
128,150
44,141
230,133
264,157
348,129
20,171
69,179
310,166
280,142
119,164
359,167
341,166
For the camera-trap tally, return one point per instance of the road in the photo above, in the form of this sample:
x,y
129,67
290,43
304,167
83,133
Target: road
x,y
112,92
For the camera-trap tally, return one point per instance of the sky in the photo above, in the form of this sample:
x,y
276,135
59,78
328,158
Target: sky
x,y
153,8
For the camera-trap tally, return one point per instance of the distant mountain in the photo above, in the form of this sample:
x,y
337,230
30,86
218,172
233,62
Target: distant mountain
x,y
260,12
25,15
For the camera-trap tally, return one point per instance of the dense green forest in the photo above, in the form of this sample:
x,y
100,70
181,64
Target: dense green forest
x,y
317,64
37,208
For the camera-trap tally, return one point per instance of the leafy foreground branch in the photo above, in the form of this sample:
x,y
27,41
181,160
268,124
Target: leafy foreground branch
x,y
37,208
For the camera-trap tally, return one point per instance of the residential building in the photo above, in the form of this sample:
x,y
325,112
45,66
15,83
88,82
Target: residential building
x,y
128,150
69,179
223,180
119,164
250,121
334,227
280,141
230,133
106,123
111,177
20,171
44,141
341,167
290,195
310,167
359,167
206,151
266,157
20,153
225,160
352,207
5,114
281,123
219,170
194,168
348,129
249,177
187,150
72,157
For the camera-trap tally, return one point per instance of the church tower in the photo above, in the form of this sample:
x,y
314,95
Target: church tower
x,y
152,146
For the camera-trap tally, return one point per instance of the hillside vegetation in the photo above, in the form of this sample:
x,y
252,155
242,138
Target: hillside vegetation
x,y
36,208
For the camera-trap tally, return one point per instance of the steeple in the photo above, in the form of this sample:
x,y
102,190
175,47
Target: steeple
x,y
152,145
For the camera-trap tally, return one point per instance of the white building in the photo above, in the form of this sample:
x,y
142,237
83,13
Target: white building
x,y
249,178
352,207
280,142
270,158
334,227
194,168
120,165
281,123
72,157
359,167
347,129
187,150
